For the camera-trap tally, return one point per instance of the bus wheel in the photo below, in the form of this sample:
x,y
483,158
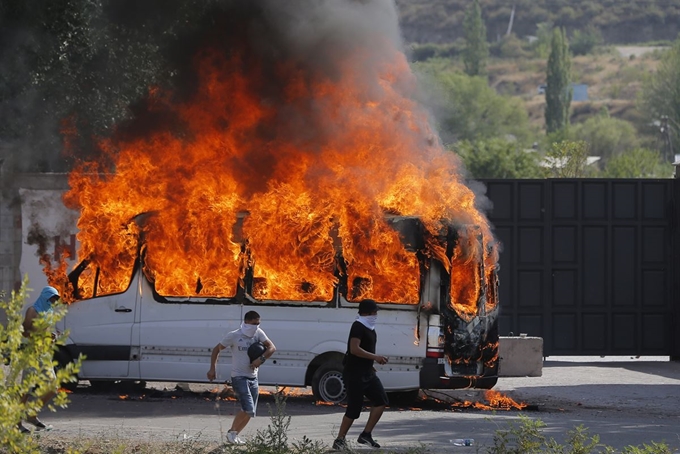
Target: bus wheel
x,y
62,358
327,383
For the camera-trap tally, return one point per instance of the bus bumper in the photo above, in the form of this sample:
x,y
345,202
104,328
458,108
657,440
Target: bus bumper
x,y
433,376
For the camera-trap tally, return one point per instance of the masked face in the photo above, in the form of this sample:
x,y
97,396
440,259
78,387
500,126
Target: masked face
x,y
249,330
371,319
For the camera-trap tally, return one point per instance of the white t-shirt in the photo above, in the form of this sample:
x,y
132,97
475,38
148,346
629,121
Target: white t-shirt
x,y
239,343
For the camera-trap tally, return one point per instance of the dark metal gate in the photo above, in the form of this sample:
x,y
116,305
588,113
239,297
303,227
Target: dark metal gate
x,y
588,264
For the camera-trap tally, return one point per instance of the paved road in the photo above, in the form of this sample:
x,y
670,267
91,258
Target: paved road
x,y
627,403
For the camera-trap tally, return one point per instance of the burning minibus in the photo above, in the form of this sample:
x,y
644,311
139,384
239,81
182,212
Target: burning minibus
x,y
269,178
441,334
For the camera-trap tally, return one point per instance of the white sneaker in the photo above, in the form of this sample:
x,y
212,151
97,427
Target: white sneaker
x,y
232,437
240,441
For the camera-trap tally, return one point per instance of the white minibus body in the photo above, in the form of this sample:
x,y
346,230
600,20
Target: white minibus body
x,y
141,335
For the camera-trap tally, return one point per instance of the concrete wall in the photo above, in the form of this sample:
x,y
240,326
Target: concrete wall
x,y
11,223
521,356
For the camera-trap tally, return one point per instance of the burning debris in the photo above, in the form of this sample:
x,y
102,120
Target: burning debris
x,y
493,400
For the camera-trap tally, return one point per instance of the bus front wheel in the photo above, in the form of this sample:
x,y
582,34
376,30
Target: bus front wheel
x,y
327,383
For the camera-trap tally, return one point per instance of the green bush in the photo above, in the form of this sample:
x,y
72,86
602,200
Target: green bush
x,y
498,158
20,353
638,163
526,437
584,42
606,137
468,109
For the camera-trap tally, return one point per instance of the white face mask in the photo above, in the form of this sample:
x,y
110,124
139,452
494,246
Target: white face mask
x,y
248,330
368,320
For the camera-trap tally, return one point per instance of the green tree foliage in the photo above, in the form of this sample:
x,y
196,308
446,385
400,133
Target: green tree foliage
x,y
498,158
476,50
637,163
468,109
568,159
605,136
583,42
82,60
544,33
558,87
20,353
440,21
661,94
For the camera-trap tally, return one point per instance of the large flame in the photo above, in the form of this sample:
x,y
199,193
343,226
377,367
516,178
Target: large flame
x,y
235,184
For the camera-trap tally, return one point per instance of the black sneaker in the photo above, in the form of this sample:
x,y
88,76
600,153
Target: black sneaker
x,y
340,444
367,439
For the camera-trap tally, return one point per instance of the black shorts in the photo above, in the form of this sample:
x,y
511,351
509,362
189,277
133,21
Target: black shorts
x,y
368,385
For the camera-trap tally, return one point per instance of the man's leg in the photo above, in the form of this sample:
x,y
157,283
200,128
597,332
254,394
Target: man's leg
x,y
240,421
373,418
48,396
345,425
248,393
355,400
376,394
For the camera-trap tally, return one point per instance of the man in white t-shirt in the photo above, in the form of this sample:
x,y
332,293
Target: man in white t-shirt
x,y
243,370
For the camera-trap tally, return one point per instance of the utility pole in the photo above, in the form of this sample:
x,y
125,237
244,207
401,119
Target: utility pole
x,y
512,21
666,133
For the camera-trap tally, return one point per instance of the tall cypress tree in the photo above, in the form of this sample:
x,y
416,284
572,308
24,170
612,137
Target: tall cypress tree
x,y
476,50
558,90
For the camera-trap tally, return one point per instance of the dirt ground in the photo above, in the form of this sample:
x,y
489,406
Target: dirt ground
x,y
626,402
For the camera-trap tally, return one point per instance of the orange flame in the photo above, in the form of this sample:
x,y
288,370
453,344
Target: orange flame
x,y
220,195
495,401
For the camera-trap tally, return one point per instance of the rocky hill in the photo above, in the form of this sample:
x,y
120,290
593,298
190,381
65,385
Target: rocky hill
x,y
618,21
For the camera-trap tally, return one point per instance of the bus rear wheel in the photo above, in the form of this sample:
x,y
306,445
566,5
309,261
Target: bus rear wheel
x,y
327,383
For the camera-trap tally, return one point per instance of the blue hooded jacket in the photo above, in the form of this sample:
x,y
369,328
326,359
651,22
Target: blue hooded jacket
x,y
43,304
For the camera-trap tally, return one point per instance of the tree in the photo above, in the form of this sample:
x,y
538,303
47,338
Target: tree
x,y
583,42
606,136
638,163
558,89
498,158
541,46
468,109
82,60
568,159
660,97
18,354
476,51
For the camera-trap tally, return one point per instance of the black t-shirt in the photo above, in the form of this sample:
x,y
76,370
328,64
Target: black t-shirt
x,y
356,366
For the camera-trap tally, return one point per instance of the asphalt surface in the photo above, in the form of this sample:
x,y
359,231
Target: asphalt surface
x,y
626,402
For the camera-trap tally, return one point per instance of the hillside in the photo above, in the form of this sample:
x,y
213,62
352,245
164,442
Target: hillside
x,y
618,21
613,82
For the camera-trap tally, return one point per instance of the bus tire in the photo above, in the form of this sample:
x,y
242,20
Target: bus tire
x,y
63,358
327,383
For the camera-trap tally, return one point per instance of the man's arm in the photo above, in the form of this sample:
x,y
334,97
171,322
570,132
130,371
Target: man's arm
x,y
271,348
356,350
213,360
31,314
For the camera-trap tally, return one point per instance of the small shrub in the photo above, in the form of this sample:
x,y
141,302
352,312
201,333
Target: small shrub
x,y
525,437
274,438
20,353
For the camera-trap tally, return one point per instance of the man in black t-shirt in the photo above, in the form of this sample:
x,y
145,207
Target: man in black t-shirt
x,y
360,378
